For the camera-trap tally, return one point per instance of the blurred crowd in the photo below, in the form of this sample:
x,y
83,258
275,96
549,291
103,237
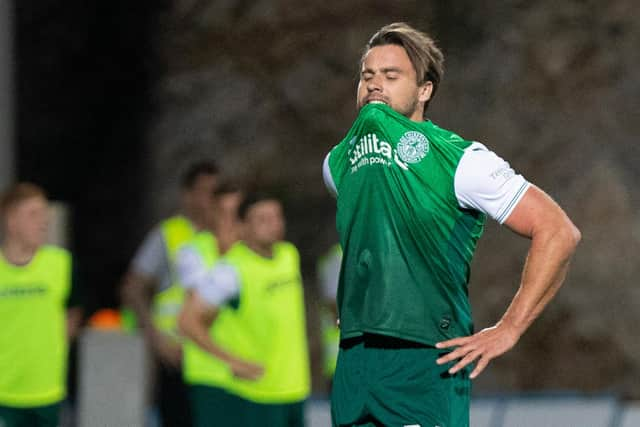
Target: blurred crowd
x,y
215,291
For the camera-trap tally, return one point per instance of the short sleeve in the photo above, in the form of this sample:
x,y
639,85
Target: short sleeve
x,y
487,183
328,178
190,268
222,285
151,259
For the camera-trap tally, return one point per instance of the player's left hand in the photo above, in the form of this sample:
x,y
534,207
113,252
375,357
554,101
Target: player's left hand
x,y
481,348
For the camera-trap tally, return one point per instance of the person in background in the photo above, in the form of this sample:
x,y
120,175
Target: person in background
x,y
150,291
412,199
246,315
40,309
226,224
328,272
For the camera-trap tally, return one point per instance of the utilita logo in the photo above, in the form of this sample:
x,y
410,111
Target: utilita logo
x,y
370,150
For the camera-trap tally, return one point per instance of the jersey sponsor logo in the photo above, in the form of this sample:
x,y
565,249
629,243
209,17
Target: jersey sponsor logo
x,y
505,172
412,147
279,284
23,291
368,144
371,150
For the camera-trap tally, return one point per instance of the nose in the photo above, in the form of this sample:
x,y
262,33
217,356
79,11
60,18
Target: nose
x,y
374,84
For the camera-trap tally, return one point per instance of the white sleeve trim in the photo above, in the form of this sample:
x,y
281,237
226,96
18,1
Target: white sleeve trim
x,y
328,179
487,183
222,285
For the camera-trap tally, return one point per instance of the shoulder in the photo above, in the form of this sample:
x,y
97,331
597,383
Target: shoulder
x,y
447,137
56,252
286,252
480,167
286,247
486,182
175,220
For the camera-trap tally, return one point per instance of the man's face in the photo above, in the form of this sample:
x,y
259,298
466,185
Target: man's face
x,y
28,221
387,76
264,222
227,204
200,197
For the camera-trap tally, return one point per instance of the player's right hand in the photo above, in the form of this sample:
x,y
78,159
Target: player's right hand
x,y
246,370
166,349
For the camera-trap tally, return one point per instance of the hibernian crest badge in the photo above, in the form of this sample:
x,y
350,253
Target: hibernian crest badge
x,y
412,147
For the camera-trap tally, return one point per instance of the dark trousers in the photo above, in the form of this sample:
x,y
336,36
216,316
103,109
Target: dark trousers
x,y
172,398
41,416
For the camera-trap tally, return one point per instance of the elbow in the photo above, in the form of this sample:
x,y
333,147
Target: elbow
x,y
571,235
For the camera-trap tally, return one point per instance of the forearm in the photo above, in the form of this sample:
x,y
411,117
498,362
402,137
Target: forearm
x,y
543,274
74,319
197,332
134,297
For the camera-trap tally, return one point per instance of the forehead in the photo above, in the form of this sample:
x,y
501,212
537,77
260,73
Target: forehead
x,y
204,180
386,56
35,202
265,207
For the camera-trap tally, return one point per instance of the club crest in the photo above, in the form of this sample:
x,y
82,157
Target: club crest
x,y
412,147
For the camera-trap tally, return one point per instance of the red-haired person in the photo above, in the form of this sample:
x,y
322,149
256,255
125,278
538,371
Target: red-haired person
x,y
40,311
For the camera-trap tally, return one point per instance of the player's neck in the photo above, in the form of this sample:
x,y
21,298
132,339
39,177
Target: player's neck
x,y
17,252
265,251
226,231
199,221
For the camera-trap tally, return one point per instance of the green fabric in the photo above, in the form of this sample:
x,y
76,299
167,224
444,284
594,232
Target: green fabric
x,y
272,314
176,231
41,416
407,244
200,367
33,339
397,387
274,415
213,407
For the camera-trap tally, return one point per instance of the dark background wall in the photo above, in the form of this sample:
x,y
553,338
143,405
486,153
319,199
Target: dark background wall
x,y
114,100
83,76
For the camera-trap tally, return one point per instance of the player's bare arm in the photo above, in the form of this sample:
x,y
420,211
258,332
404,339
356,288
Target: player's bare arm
x,y
553,241
195,319
136,291
74,321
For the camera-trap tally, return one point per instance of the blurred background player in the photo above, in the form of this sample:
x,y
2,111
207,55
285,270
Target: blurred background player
x,y
209,368
39,306
226,224
247,315
328,272
150,290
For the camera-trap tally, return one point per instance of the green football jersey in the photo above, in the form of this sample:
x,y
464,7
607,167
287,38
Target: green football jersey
x,y
407,242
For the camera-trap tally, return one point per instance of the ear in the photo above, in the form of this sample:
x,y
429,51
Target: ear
x,y
425,91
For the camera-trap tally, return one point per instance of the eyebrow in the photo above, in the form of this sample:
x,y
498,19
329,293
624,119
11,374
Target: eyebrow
x,y
384,70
